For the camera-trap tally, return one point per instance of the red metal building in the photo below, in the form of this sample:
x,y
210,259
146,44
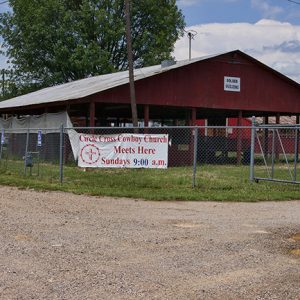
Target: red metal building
x,y
231,84
218,88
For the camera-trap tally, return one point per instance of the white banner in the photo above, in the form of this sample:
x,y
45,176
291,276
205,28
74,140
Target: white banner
x,y
123,151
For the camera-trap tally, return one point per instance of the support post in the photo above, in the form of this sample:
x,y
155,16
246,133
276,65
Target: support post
x,y
194,116
297,141
1,143
26,151
3,83
92,114
195,155
276,146
296,152
191,121
134,113
266,137
252,151
146,115
61,153
239,138
146,118
190,45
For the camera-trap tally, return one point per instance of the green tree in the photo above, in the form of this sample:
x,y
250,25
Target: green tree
x,y
56,41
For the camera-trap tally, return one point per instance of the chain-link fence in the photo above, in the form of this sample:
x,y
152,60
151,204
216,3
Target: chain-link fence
x,y
258,152
31,152
195,152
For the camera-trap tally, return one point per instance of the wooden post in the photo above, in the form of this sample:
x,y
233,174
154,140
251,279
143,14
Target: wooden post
x,y
67,146
146,118
146,115
194,116
130,67
297,141
191,117
239,138
187,118
276,144
266,137
92,116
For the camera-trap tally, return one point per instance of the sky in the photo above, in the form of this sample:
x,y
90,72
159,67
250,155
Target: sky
x,y
268,30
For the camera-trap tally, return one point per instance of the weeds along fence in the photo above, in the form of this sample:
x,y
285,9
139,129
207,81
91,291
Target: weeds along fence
x,y
256,152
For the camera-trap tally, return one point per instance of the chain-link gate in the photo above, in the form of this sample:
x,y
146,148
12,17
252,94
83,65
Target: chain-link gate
x,y
274,153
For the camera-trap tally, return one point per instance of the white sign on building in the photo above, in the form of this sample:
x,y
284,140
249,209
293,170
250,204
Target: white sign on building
x,y
123,151
232,84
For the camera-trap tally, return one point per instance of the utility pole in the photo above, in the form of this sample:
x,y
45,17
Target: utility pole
x,y
3,83
191,34
190,45
130,66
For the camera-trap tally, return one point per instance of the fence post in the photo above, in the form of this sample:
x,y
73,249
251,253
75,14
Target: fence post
x,y
195,155
253,129
273,153
239,139
2,142
296,152
26,150
61,153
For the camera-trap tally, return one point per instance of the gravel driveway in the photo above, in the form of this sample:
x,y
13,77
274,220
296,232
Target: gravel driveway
x,y
62,246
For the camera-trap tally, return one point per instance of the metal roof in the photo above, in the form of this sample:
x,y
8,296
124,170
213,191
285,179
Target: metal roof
x,y
85,87
89,86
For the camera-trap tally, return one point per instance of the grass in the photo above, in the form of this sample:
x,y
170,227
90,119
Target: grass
x,y
213,182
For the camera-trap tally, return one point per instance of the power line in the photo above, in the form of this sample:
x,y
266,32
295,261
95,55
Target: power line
x,y
3,2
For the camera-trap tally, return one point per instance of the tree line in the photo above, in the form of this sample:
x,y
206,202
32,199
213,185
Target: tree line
x,y
48,42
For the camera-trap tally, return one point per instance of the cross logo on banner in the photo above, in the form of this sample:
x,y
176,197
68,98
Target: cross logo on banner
x,y
90,154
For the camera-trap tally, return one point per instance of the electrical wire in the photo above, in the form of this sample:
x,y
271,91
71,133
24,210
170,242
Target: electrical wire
x,y
3,2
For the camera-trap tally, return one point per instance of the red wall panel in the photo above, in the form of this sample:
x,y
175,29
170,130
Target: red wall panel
x,y
201,84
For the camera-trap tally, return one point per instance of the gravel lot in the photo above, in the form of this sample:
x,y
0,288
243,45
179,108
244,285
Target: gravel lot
x,y
63,246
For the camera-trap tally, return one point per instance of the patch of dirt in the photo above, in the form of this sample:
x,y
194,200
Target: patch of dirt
x,y
296,237
62,246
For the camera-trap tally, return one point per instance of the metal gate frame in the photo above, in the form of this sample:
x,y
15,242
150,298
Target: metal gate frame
x,y
270,170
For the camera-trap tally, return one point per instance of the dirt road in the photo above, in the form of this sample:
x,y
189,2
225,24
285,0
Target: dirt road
x,y
63,246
